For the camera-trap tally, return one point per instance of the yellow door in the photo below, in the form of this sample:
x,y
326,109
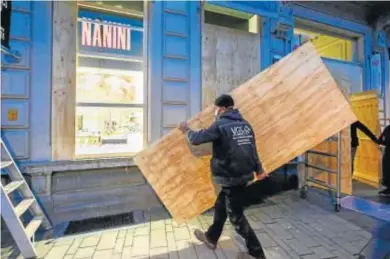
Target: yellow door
x,y
367,160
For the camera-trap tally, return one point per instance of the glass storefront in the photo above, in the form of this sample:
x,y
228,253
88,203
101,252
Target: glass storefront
x,y
110,85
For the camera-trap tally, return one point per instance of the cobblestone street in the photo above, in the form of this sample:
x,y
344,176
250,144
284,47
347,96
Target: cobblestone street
x,y
287,227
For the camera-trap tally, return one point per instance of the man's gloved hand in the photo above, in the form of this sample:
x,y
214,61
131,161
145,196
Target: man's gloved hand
x,y
183,126
258,177
261,176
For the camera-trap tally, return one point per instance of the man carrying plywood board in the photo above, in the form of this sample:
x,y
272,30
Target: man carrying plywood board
x,y
233,164
292,106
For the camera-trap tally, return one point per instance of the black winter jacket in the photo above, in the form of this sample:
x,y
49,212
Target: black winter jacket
x,y
234,156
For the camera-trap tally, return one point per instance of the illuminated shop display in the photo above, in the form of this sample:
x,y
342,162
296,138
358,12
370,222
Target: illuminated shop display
x,y
110,85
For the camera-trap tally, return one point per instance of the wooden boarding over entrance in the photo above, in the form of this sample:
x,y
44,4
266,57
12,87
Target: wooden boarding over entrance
x,y
293,106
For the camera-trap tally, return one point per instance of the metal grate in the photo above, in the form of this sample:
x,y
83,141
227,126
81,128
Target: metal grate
x,y
93,224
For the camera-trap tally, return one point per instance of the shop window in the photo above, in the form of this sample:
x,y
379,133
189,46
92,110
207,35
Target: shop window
x,y
110,83
230,18
328,46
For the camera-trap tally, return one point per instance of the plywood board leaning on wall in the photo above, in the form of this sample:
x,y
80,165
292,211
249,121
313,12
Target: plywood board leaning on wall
x,y
229,58
64,80
293,106
331,162
368,155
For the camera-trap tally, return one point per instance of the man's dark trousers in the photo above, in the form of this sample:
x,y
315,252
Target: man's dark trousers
x,y
229,203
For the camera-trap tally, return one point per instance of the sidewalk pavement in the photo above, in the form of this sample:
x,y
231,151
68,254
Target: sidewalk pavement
x,y
287,226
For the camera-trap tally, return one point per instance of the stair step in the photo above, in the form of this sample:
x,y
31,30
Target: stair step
x,y
12,186
33,226
23,206
5,164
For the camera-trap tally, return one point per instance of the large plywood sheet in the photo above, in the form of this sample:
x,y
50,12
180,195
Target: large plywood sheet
x,y
293,106
368,155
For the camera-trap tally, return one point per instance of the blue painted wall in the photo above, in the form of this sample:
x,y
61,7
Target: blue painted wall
x,y
26,85
174,65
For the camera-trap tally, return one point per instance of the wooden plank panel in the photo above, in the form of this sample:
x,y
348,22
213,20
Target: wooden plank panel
x,y
368,155
64,80
293,106
229,58
331,163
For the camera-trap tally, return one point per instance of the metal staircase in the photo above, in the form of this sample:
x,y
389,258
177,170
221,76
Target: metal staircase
x,y
23,234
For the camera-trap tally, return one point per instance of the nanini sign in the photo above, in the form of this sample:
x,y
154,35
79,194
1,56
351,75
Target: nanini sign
x,y
105,35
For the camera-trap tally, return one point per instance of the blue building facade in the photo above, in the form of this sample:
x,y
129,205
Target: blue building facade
x,y
164,49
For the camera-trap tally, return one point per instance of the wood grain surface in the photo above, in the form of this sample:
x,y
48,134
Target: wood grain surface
x,y
331,162
293,106
368,155
64,80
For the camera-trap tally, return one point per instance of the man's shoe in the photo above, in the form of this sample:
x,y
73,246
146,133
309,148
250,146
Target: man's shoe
x,y
258,254
201,236
385,192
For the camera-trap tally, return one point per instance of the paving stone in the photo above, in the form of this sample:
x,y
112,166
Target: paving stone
x,y
103,254
73,248
219,253
324,230
171,242
143,231
140,246
348,246
324,242
263,217
107,241
86,252
126,252
256,224
157,224
203,252
185,250
275,212
119,245
173,255
302,237
42,248
68,257
122,233
284,224
169,228
231,247
117,256
276,253
57,252
265,240
298,247
64,241
181,233
279,231
322,252
158,238
129,239
278,240
313,256
90,241
159,253
340,253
